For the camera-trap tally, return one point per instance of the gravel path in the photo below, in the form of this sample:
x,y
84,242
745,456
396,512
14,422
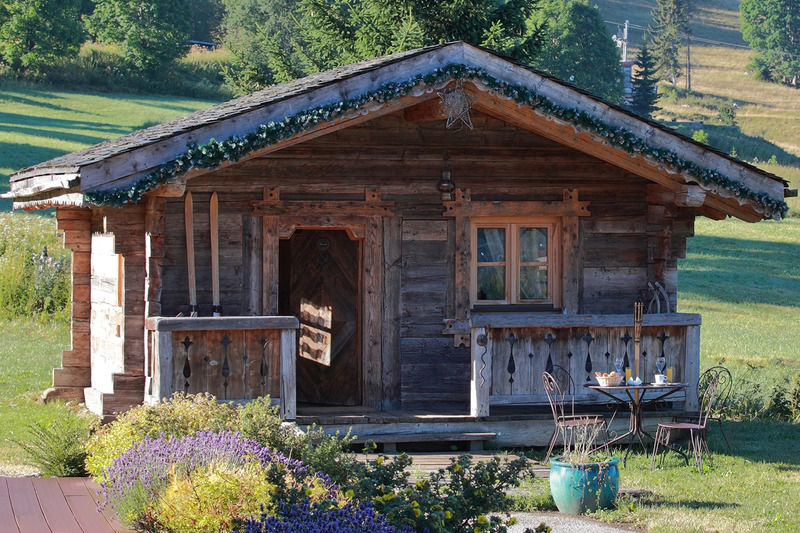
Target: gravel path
x,y
561,523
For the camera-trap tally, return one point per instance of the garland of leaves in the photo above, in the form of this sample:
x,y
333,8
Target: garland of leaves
x,y
214,153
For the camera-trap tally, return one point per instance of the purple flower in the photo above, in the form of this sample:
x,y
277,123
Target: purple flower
x,y
305,517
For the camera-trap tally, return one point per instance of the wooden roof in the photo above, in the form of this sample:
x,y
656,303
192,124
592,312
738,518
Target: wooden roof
x,y
122,169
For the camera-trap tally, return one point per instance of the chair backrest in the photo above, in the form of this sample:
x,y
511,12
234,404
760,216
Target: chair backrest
x,y
554,395
724,386
707,403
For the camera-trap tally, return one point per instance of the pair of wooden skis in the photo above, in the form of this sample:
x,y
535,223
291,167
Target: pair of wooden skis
x,y
213,219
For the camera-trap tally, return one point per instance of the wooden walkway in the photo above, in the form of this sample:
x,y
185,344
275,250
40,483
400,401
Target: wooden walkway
x,y
53,505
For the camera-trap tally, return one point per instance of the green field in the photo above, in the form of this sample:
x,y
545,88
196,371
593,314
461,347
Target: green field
x,y
38,124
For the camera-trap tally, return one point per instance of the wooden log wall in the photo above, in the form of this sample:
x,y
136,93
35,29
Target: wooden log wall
x,y
403,155
75,372
118,309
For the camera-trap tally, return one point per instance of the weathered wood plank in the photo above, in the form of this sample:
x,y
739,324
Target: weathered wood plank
x,y
393,231
372,311
270,264
526,320
481,373
288,374
221,323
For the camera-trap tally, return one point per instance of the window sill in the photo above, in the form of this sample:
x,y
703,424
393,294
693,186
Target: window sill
x,y
518,308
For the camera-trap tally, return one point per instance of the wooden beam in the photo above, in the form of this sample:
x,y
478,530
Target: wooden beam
x,y
322,208
372,312
569,207
690,196
428,110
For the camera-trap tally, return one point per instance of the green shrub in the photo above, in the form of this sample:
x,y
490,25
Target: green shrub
x,y
461,498
34,268
726,113
700,136
178,416
260,421
206,500
58,448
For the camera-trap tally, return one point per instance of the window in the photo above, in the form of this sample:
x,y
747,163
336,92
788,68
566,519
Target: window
x,y
516,261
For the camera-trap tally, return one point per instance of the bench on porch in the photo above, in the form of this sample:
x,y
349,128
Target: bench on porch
x,y
389,441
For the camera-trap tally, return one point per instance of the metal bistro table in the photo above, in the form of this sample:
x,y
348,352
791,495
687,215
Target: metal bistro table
x,y
636,403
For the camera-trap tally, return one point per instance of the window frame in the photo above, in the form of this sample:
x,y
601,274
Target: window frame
x,y
513,262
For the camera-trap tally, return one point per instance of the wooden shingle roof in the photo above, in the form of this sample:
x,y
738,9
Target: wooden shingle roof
x,y
122,169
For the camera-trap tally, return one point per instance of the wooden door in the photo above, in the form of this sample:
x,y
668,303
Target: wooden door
x,y
323,292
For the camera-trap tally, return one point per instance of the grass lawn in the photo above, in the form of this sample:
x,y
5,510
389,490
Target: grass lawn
x,y
29,352
756,490
37,124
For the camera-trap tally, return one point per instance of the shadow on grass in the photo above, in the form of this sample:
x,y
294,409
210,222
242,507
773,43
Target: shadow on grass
x,y
27,123
740,270
769,441
16,98
748,147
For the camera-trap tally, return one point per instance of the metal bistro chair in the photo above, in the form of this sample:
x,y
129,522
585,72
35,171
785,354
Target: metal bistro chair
x,y
724,386
697,431
563,420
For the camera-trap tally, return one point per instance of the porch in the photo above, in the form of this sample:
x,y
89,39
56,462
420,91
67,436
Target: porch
x,y
242,358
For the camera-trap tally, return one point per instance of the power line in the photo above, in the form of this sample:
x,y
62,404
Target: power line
x,y
712,41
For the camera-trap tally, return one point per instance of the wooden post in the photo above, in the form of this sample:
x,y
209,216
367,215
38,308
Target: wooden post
x,y
390,337
372,313
691,368
288,374
481,381
159,385
269,256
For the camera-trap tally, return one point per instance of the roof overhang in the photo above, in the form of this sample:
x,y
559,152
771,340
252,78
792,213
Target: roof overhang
x,y
122,170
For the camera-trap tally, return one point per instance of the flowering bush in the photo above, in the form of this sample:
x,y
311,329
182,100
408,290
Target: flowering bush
x,y
261,421
178,416
461,498
350,518
160,483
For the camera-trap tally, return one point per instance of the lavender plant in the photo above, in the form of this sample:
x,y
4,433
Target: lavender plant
x,y
351,518
140,484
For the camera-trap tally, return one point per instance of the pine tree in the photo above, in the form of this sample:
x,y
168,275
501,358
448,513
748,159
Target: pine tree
x,y
644,93
670,21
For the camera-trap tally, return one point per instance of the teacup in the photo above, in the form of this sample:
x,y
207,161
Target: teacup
x,y
661,379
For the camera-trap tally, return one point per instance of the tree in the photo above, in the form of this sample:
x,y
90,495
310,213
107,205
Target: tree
x,y
34,33
206,17
321,34
670,21
772,27
252,29
152,33
579,48
644,91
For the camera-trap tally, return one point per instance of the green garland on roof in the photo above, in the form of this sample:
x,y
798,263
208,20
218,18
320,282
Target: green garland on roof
x,y
214,153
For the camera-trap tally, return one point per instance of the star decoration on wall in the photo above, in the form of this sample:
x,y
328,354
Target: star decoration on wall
x,y
457,103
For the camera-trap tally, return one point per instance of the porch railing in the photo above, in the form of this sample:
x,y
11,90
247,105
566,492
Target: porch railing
x,y
233,358
511,350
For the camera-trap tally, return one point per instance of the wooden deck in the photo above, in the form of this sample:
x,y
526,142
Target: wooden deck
x,y
54,505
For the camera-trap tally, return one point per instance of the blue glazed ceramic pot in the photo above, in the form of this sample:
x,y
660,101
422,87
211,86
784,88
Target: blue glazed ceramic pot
x,y
584,487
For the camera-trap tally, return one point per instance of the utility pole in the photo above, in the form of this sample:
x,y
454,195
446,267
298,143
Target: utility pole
x,y
625,42
688,63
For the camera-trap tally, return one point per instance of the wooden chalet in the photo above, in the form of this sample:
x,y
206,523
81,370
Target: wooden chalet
x,y
419,233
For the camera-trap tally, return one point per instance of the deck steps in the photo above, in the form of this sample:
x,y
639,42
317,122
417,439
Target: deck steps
x,y
389,441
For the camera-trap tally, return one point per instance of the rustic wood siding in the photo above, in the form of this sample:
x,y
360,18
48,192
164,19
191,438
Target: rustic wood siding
x,y
404,159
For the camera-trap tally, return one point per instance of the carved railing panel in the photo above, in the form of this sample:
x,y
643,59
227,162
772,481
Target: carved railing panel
x,y
233,358
522,347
